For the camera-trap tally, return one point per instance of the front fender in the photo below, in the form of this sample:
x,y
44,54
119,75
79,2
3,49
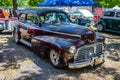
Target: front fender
x,y
61,45
53,42
101,21
99,37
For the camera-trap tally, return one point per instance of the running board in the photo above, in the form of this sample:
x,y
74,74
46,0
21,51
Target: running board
x,y
26,43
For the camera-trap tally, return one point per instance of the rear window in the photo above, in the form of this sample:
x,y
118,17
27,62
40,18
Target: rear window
x,y
22,17
118,14
109,13
32,18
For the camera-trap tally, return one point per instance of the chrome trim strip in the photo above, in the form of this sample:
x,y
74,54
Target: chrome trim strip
x,y
31,27
60,33
26,43
113,18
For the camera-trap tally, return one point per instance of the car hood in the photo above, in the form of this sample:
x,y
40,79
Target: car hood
x,y
68,28
61,41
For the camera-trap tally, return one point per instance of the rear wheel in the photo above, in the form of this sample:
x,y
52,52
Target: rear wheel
x,y
100,27
16,36
55,59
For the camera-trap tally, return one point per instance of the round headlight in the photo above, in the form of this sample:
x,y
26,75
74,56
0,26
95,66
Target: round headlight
x,y
90,54
72,50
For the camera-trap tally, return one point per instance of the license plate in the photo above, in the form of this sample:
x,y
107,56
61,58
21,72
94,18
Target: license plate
x,y
98,61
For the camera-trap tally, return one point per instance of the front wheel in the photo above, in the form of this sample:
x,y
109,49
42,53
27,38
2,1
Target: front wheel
x,y
55,59
100,27
1,31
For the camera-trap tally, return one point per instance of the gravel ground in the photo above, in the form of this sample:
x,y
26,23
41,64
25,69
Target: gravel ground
x,y
18,62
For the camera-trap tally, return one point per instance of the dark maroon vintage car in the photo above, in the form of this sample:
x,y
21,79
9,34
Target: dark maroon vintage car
x,y
51,33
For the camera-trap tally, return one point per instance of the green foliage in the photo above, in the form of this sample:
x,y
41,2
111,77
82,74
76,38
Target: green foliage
x,y
34,2
22,2
102,3
108,3
10,2
5,2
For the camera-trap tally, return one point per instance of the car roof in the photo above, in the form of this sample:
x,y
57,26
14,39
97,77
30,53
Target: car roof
x,y
40,10
114,10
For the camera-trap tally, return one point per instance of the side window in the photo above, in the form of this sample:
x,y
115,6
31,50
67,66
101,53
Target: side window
x,y
31,18
46,18
22,17
109,13
118,14
49,17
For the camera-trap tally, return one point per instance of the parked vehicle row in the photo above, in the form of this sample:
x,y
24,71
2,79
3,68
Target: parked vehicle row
x,y
5,22
83,17
51,33
108,22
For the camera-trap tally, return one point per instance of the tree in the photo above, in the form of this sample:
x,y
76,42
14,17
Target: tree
x,y
34,2
108,3
14,7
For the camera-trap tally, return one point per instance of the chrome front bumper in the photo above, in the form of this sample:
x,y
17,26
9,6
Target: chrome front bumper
x,y
88,63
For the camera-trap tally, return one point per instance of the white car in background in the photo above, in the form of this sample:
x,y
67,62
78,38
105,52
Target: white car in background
x,y
83,17
83,14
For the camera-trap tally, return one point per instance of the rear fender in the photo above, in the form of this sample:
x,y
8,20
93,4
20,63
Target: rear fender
x,y
1,26
16,28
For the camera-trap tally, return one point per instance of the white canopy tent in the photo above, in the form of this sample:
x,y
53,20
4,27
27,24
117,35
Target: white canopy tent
x,y
116,7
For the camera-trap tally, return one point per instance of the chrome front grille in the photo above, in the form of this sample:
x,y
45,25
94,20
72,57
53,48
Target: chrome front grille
x,y
86,53
98,48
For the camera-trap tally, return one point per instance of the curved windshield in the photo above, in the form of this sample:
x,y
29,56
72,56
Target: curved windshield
x,y
54,17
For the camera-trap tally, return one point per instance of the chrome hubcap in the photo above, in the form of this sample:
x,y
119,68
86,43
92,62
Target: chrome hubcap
x,y
100,27
54,56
